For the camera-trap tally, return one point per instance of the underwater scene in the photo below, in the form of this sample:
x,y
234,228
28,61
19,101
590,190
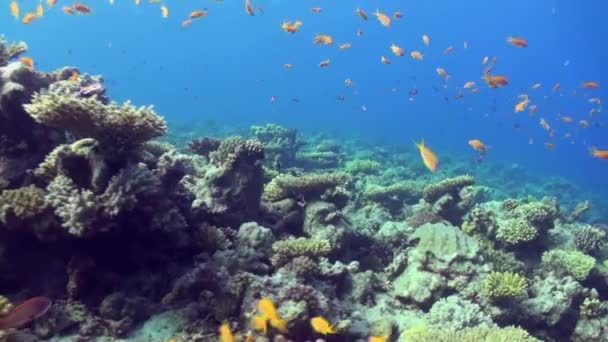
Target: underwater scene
x,y
274,170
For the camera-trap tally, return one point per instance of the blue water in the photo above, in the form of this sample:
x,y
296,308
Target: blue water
x,y
227,66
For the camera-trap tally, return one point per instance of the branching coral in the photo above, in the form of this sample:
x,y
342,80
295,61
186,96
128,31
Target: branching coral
x,y
572,263
478,334
516,230
115,126
525,222
504,284
578,211
455,313
589,239
285,250
480,221
22,204
308,186
10,51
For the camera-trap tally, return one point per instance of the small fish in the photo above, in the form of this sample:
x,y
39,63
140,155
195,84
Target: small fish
x,y
469,84
397,51
532,110
27,61
348,82
364,108
359,32
28,18
323,39
361,13
485,60
385,60
384,19
416,55
550,146
521,106
25,312
545,124
426,39
51,3
591,85
448,50
68,10
345,46
465,44
556,87
321,325
413,92
39,11
429,158
287,66
584,123
600,154
475,90
137,2
249,8
198,13
74,76
186,22
567,119
81,8
316,9
15,9
595,100
268,310
225,333
164,11
397,15
324,63
536,85
478,145
273,99
517,41
441,72
290,27
495,81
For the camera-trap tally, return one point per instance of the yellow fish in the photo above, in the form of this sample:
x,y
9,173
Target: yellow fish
x,y
384,19
225,333
15,9
428,157
39,10
269,311
321,325
521,106
165,11
51,3
426,39
260,323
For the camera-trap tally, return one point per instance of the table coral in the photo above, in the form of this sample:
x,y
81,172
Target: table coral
x,y
573,263
453,185
308,186
478,334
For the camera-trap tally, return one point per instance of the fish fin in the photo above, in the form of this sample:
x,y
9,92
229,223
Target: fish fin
x,y
420,144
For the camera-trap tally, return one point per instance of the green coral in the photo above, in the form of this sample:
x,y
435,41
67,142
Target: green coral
x,y
591,307
23,203
404,190
516,230
362,166
5,306
477,334
479,221
589,239
285,250
574,263
10,51
434,191
503,262
308,185
119,126
504,284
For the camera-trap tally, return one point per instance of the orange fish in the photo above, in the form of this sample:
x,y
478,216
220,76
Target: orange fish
x,y
68,10
27,61
290,27
324,63
39,10
51,3
591,85
81,8
416,55
164,11
477,145
361,13
397,50
397,15
495,81
567,119
186,22
269,312
384,19
441,72
426,39
385,60
556,86
15,9
316,9
545,124
345,46
260,322
521,106
448,50
428,157
600,154
469,84
321,325
249,8
323,39
198,13
74,76
28,18
517,41
584,123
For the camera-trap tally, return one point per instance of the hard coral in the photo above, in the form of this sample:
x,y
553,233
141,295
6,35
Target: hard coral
x,y
478,334
308,186
433,192
589,239
573,263
117,127
362,166
279,142
504,284
285,250
516,230
455,313
10,51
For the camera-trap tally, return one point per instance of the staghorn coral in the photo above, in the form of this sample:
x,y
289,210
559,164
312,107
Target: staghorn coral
x,y
455,313
117,127
589,239
477,334
573,263
309,186
285,250
504,284
516,230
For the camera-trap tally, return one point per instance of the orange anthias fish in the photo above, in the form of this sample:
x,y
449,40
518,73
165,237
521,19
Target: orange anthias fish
x,y
51,3
321,325
225,333
198,13
384,19
448,50
469,84
39,10
186,22
517,41
521,106
15,9
249,8
28,18
164,11
416,55
74,76
361,13
27,61
323,39
600,154
495,81
428,157
426,39
397,51
25,312
324,63
291,27
591,85
441,72
68,10
316,9
81,8
345,46
397,15
385,60
477,145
